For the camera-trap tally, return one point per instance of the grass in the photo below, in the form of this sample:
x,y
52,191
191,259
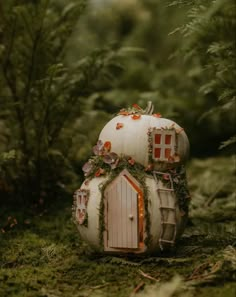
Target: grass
x,y
44,256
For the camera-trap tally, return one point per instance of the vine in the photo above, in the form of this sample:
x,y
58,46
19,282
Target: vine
x,y
108,163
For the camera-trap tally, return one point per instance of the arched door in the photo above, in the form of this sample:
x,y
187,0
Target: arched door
x,y
123,220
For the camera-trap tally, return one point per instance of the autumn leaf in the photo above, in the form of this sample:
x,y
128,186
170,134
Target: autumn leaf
x,y
99,172
157,115
110,158
119,126
136,116
136,106
98,148
107,146
87,168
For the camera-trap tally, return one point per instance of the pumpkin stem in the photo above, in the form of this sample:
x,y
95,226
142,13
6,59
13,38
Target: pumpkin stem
x,y
149,109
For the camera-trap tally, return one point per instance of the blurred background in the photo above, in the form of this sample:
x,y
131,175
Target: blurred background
x,y
69,66
178,56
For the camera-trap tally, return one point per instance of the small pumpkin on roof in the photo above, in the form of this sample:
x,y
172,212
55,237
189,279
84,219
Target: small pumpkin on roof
x,y
135,197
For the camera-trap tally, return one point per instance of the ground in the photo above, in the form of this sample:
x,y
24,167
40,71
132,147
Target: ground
x,y
43,255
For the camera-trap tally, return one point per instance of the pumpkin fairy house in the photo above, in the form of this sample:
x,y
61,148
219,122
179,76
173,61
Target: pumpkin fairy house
x,y
135,197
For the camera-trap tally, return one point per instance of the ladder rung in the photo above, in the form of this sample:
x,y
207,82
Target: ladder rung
x,y
167,190
166,207
167,241
167,223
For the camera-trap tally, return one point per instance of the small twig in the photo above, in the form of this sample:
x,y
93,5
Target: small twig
x,y
148,276
98,287
213,196
137,289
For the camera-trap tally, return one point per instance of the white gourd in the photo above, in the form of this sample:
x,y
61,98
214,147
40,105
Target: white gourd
x,y
132,138
133,135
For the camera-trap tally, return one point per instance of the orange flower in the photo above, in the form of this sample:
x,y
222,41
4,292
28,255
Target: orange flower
x,y
157,115
136,116
119,126
99,172
107,146
136,106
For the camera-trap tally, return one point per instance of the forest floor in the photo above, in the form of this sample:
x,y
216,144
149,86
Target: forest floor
x,y
43,255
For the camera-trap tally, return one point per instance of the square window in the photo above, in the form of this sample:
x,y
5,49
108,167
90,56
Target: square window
x,y
163,144
168,139
157,138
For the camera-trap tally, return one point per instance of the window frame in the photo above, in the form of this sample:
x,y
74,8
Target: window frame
x,y
163,146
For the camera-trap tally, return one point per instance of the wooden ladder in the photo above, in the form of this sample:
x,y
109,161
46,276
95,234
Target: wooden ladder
x,y
167,206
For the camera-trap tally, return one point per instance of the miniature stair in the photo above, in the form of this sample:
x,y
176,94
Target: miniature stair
x,y
167,208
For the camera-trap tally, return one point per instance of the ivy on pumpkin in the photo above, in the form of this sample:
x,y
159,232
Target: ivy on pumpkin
x,y
105,162
137,171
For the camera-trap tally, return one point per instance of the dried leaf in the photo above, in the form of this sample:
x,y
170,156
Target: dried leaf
x,y
136,116
87,168
99,172
98,148
107,146
136,106
157,115
119,126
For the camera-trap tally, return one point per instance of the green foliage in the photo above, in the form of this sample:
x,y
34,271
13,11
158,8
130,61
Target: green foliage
x,y
61,80
209,41
41,95
160,72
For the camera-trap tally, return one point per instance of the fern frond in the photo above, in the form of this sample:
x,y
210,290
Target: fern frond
x,y
228,142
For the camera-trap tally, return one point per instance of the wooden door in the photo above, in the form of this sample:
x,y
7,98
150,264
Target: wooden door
x,y
122,215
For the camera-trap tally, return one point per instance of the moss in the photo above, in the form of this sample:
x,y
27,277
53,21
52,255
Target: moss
x,y
48,258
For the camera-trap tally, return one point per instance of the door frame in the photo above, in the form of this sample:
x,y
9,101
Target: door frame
x,y
140,204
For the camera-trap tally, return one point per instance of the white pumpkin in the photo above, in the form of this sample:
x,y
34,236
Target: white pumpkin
x,y
131,137
117,218
128,214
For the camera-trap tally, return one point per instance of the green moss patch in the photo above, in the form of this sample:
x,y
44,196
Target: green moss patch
x,y
46,257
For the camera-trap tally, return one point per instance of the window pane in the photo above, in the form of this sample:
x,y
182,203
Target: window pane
x,y
157,138
167,153
157,153
168,139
